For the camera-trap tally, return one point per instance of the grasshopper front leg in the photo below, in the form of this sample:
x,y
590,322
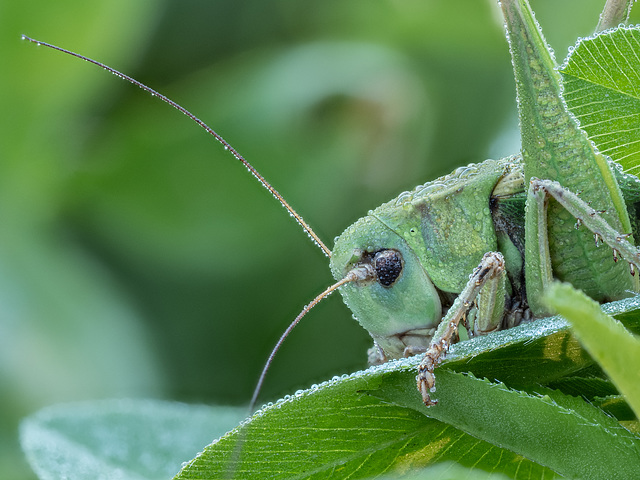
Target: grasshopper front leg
x,y
486,282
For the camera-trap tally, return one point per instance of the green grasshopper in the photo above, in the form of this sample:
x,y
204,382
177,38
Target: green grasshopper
x,y
479,245
509,223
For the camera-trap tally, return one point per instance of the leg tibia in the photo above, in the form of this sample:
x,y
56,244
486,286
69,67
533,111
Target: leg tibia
x,y
537,257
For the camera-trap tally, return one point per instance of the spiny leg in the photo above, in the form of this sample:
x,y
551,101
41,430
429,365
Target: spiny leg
x,y
491,271
587,216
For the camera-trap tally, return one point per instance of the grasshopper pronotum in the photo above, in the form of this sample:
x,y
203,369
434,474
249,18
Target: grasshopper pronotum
x,y
404,270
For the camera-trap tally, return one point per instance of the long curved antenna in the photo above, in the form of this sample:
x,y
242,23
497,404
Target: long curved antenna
x,y
363,272
224,143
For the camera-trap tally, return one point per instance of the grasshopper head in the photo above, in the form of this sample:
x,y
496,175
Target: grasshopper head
x,y
399,305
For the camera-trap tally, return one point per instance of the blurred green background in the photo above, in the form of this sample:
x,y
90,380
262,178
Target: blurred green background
x,y
138,259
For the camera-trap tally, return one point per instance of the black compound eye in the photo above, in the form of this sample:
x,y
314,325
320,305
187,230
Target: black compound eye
x,y
388,265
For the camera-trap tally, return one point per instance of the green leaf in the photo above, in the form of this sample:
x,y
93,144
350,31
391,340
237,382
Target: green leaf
x,y
120,439
562,432
539,352
341,429
602,89
616,407
446,471
587,387
337,431
615,349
